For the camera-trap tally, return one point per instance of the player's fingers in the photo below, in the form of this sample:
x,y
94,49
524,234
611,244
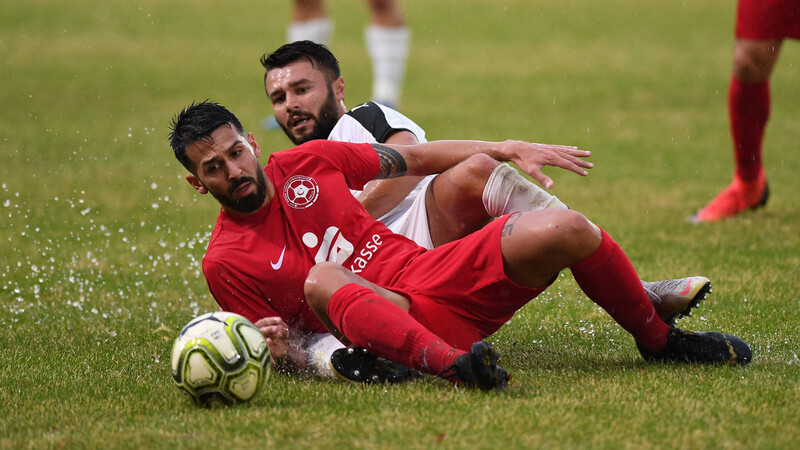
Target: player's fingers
x,y
541,178
268,321
565,148
577,165
575,156
274,331
575,151
570,149
579,161
561,162
571,163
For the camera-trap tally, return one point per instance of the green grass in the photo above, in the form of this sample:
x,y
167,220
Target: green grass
x,y
101,238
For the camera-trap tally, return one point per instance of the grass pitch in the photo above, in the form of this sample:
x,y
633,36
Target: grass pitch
x,y
101,238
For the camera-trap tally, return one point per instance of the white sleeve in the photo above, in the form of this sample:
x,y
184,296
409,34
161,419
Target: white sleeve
x,y
372,122
348,129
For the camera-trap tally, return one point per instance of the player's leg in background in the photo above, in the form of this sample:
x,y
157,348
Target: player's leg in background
x,y
748,113
387,40
749,102
310,22
464,198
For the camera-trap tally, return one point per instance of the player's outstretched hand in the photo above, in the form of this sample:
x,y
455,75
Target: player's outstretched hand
x,y
531,158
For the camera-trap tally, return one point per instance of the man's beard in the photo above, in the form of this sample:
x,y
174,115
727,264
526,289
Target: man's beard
x,y
325,121
251,202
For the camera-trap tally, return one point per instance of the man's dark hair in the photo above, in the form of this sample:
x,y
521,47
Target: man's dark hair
x,y
320,57
196,123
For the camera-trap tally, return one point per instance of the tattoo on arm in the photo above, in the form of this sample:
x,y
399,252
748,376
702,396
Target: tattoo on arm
x,y
509,226
392,163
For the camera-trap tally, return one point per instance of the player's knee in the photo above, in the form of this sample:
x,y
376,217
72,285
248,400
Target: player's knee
x,y
321,282
465,181
572,229
308,5
753,63
475,170
482,165
381,6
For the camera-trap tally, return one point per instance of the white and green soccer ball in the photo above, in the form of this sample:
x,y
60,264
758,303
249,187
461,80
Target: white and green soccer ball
x,y
220,358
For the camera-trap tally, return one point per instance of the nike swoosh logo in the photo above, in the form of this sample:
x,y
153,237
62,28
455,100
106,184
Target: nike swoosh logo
x,y
652,316
277,265
359,106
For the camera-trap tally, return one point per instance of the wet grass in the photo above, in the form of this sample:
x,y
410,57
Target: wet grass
x,y
101,239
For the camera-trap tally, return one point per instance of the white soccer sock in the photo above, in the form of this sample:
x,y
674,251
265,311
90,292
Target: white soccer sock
x,y
507,191
317,30
318,354
388,49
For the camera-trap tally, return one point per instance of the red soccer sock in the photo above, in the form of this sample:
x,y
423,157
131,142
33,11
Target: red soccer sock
x,y
609,279
748,111
386,330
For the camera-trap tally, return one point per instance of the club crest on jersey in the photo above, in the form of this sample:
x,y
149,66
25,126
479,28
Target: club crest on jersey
x,y
300,191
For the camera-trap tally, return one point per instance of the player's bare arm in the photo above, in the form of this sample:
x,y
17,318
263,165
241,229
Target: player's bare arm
x,y
438,156
381,196
392,163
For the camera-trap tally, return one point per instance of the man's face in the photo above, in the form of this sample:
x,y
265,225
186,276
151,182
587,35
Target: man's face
x,y
227,166
305,105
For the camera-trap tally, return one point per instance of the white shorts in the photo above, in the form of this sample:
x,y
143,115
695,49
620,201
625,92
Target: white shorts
x,y
413,223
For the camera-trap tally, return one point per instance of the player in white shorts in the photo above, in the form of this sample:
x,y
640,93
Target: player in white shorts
x,y
372,122
306,89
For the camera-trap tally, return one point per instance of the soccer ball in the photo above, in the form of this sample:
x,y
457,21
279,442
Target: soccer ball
x,y
220,358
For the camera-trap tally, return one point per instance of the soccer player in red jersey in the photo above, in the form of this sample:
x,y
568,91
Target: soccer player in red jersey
x,y
761,27
304,84
291,241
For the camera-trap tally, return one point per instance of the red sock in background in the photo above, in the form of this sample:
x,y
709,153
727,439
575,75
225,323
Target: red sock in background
x,y
748,111
386,330
609,279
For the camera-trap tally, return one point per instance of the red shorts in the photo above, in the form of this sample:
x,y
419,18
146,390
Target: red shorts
x,y
460,291
768,19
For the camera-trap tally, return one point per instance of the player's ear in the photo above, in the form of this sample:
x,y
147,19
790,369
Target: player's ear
x,y
196,184
338,89
254,144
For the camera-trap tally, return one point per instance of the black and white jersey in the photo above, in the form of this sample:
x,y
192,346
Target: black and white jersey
x,y
373,123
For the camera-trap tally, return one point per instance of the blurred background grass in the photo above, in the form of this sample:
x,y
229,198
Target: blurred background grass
x,y
101,238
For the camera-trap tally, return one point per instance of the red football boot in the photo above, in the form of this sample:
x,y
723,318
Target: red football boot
x,y
739,196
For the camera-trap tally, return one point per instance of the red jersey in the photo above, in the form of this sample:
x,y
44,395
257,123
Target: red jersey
x,y
256,265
